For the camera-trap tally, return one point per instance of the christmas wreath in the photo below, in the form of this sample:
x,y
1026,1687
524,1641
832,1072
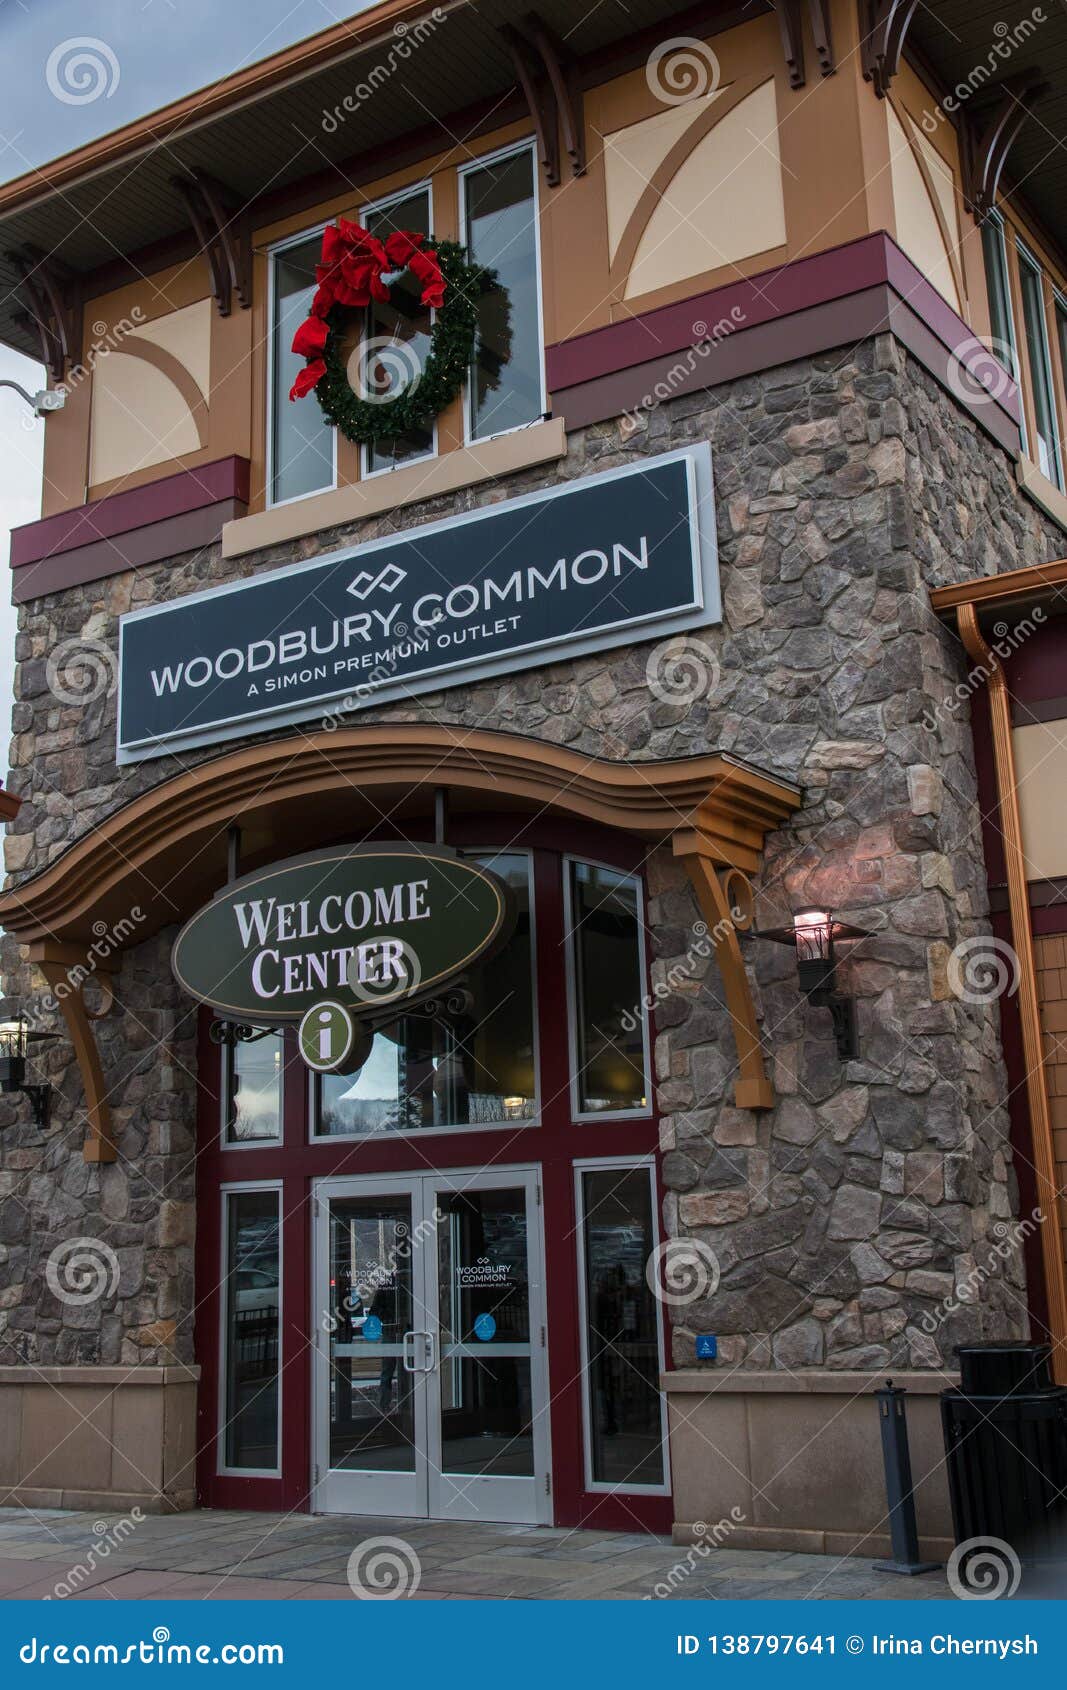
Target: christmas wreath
x,y
357,268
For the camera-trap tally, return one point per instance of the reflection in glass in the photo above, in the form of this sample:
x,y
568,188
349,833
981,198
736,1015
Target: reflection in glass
x,y
250,1437
1032,284
471,1063
405,323
301,441
255,1089
501,226
606,948
371,1307
621,1332
484,1291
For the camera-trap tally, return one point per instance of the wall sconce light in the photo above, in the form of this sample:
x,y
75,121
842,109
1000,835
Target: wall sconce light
x,y
14,1038
814,934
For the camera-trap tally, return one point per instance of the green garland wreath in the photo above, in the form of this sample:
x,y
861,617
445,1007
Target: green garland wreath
x,y
454,346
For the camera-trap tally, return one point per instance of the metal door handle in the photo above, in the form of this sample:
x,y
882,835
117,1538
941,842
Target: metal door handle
x,y
409,1357
430,1352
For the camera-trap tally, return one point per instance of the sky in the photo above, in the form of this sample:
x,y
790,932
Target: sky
x,y
71,70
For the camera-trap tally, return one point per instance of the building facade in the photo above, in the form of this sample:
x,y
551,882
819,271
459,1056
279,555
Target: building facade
x,y
625,1223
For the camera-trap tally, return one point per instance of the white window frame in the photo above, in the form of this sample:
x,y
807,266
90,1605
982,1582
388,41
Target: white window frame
x,y
226,1094
424,186
415,1135
470,169
996,222
571,970
313,493
630,1164
227,1191
1029,260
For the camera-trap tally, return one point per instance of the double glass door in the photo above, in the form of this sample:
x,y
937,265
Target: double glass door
x,y
431,1378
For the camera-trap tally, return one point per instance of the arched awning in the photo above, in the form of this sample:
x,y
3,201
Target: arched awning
x,y
165,853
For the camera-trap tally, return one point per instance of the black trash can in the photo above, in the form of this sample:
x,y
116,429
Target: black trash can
x,y
1006,1445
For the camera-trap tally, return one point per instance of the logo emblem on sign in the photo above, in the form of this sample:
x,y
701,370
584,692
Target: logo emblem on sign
x,y
326,1036
388,580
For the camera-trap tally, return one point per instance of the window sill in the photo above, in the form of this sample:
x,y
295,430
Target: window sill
x,y
539,444
1044,493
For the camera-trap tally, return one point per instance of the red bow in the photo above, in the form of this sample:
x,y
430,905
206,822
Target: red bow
x,y
351,273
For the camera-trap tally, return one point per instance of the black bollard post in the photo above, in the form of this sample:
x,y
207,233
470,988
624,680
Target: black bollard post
x,y
898,1486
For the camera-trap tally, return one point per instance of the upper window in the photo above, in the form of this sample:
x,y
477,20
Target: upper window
x,y
253,1070
1032,285
465,1060
499,202
1001,320
301,446
604,928
397,341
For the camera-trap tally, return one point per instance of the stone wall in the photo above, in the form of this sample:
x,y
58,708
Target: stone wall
x,y
841,1220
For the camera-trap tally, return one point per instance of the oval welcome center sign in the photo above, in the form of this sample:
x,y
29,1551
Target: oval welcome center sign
x,y
362,925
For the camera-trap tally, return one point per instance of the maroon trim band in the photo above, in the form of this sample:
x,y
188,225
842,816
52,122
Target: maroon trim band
x,y
848,293
119,513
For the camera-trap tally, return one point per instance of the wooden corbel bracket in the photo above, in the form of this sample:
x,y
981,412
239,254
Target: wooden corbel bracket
x,y
883,28
223,231
726,901
540,98
66,969
51,295
791,24
987,135
548,76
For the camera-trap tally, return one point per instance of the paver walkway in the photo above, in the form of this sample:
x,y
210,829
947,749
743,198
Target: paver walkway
x,y
213,1554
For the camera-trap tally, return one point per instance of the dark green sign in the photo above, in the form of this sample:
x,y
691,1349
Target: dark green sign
x,y
362,926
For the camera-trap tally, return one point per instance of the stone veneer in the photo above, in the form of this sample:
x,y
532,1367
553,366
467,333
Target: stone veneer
x,y
847,485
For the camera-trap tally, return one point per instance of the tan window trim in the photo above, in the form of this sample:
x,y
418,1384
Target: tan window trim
x,y
1044,493
524,448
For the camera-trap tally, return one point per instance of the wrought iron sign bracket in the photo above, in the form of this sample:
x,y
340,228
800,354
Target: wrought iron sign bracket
x,y
225,238
883,28
791,23
988,134
65,969
52,296
548,77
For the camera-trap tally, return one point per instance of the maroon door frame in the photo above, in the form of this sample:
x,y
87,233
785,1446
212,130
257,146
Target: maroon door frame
x,y
554,1146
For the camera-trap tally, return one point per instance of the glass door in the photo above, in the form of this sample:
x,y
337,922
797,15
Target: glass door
x,y
489,1392
431,1384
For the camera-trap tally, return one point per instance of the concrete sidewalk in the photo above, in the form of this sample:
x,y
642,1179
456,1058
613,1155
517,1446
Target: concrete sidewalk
x,y
208,1555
